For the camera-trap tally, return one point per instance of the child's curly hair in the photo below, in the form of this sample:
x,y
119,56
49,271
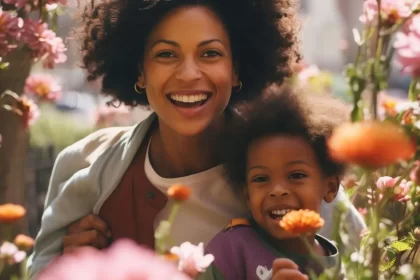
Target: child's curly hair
x,y
312,117
263,36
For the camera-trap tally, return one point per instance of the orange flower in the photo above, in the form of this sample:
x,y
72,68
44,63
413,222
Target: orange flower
x,y
10,213
301,221
170,257
389,107
179,192
24,242
370,144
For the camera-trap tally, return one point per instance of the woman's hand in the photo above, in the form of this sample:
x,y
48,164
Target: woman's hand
x,y
285,269
88,231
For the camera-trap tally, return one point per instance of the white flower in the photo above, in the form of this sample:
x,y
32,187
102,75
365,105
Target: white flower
x,y
192,259
307,73
11,253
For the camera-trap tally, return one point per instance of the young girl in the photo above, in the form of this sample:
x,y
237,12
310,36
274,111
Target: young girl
x,y
190,61
279,163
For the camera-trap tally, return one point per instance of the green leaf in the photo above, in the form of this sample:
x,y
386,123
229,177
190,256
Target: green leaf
x,y
389,261
350,192
401,245
4,65
412,95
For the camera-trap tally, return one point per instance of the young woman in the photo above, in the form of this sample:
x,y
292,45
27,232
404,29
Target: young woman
x,y
190,60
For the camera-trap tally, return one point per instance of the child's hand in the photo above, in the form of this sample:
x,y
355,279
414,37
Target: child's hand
x,y
285,269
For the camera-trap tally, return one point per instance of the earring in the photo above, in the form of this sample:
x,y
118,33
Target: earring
x,y
240,87
139,90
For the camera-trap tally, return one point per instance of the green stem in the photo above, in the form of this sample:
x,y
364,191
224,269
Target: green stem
x,y
313,255
23,271
412,91
174,212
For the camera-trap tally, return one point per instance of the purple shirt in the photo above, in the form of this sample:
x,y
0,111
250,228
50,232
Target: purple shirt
x,y
242,254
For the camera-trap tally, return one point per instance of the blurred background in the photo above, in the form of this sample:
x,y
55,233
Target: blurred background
x,y
327,46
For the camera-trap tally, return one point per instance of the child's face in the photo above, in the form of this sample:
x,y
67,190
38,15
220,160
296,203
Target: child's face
x,y
283,174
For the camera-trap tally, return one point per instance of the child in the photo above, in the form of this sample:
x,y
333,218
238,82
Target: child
x,y
279,162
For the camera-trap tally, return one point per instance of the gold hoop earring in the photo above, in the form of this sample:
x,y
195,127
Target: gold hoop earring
x,y
240,87
136,89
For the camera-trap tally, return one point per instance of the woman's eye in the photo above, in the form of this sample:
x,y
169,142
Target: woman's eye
x,y
260,179
297,175
212,54
165,55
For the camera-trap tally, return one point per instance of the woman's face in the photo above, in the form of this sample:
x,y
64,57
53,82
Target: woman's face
x,y
188,71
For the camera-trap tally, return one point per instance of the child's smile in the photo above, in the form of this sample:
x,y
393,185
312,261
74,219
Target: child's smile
x,y
283,174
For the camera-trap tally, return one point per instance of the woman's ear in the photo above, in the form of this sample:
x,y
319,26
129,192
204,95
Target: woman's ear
x,y
333,184
141,81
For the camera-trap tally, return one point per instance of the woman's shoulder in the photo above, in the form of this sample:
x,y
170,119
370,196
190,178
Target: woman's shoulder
x,y
92,146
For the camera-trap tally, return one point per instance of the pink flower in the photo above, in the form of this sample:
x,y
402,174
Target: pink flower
x,y
391,10
44,43
45,87
125,260
18,3
52,2
10,27
27,4
192,260
11,254
362,211
407,47
399,192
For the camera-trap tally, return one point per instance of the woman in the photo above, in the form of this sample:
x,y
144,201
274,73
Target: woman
x,y
189,60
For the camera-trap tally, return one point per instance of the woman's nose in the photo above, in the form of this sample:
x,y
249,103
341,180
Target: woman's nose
x,y
188,71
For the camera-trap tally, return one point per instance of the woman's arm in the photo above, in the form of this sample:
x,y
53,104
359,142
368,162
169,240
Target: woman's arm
x,y
72,194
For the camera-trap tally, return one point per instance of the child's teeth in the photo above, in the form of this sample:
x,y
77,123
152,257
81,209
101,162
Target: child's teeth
x,y
281,212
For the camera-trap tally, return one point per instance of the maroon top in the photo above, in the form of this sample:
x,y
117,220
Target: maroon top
x,y
131,209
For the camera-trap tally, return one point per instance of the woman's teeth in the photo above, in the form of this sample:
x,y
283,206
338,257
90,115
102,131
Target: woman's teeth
x,y
189,98
278,214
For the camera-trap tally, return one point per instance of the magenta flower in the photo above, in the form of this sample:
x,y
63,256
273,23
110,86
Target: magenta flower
x,y
391,10
125,260
43,42
399,192
11,254
192,260
45,87
407,47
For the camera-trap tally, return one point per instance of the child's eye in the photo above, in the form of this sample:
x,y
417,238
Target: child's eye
x,y
297,175
212,53
259,179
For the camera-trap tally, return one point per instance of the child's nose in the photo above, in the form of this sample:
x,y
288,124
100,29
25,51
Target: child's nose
x,y
278,190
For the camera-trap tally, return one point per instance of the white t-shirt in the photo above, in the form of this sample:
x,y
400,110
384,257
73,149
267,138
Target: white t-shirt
x,y
213,204
209,209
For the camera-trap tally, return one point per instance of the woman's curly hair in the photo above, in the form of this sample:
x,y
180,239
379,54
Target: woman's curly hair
x,y
263,36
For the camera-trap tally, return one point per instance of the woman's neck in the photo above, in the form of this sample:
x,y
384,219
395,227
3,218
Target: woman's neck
x,y
173,155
